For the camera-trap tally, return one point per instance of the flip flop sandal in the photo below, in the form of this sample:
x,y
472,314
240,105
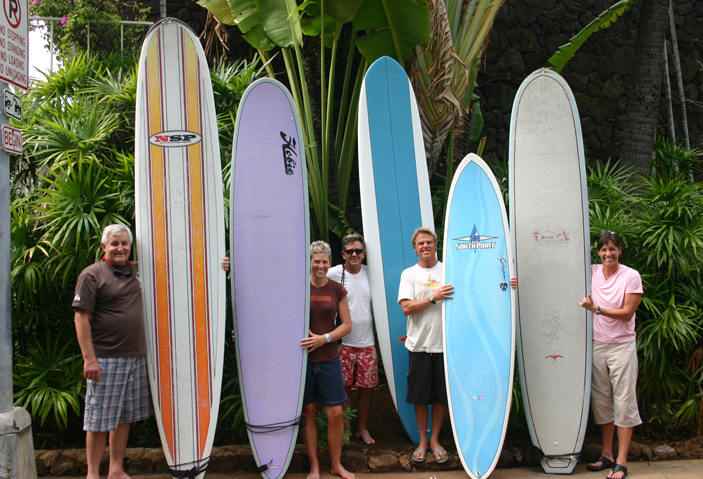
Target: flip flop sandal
x,y
422,453
617,468
439,453
606,464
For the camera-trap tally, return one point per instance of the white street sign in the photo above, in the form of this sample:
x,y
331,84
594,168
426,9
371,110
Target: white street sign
x,y
14,46
11,140
13,105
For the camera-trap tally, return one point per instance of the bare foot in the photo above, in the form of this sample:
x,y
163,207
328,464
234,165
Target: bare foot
x,y
314,472
119,475
341,472
365,436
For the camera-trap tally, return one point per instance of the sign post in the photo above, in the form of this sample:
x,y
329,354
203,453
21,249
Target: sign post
x,y
14,24
16,444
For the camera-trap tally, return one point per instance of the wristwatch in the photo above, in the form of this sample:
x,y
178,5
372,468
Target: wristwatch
x,y
597,311
328,337
432,299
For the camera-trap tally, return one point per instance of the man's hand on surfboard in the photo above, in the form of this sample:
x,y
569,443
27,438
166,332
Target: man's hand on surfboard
x,y
225,263
513,282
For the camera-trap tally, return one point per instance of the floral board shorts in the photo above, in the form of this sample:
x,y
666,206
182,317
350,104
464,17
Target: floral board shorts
x,y
359,366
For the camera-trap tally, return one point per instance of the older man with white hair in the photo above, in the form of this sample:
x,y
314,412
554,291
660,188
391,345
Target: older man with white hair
x,y
110,330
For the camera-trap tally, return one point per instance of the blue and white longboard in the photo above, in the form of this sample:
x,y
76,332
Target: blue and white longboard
x,y
395,201
479,326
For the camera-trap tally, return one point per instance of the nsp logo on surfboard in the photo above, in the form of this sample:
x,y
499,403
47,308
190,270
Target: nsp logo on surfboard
x,y
175,138
475,241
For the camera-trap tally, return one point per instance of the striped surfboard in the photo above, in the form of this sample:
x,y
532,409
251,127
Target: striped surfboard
x,y
180,242
395,201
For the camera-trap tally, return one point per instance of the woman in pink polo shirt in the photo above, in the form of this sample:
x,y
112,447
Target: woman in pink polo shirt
x,y
616,291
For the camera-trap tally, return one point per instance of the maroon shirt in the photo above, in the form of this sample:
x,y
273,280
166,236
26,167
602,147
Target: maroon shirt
x,y
323,311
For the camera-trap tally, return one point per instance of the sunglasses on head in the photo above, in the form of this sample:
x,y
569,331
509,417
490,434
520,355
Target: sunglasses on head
x,y
604,232
117,272
350,252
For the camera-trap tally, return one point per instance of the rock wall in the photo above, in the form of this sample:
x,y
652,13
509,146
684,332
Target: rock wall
x,y
527,32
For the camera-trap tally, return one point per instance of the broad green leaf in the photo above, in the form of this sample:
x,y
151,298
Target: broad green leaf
x,y
258,39
248,20
604,20
311,26
220,9
341,10
398,25
281,27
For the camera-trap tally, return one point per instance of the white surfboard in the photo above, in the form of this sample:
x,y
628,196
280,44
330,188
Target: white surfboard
x,y
550,232
181,242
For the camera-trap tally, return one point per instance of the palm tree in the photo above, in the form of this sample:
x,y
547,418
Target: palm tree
x,y
643,103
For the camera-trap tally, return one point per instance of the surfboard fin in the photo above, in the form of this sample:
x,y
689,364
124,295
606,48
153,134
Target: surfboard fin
x,y
264,467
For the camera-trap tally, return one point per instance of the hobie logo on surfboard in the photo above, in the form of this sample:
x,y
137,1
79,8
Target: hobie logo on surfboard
x,y
175,138
475,241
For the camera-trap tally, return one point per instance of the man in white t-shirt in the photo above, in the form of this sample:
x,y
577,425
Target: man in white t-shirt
x,y
358,350
419,295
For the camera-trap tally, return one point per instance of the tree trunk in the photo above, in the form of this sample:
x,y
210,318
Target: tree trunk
x,y
643,103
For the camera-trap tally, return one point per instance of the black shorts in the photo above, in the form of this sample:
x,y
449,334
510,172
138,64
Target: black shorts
x,y
426,383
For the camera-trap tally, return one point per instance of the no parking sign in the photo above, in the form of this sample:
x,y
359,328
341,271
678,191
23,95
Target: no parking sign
x,y
14,47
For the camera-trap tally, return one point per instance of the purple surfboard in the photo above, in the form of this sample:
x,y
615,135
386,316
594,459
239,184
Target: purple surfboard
x,y
270,269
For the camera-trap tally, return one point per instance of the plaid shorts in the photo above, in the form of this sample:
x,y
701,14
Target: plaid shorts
x,y
121,396
359,366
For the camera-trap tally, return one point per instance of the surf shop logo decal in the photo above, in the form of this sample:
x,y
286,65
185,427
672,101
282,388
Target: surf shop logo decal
x,y
178,138
475,241
289,145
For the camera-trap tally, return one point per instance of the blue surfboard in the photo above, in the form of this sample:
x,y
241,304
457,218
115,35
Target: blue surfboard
x,y
395,201
479,326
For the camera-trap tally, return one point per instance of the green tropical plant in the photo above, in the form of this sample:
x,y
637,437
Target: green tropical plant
x,y
76,175
388,27
660,220
50,380
323,423
443,73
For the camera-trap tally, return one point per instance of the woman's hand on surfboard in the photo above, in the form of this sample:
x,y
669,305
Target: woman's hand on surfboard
x,y
313,342
587,303
513,282
225,263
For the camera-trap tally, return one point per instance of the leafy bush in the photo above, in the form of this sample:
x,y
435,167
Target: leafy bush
x,y
75,177
660,221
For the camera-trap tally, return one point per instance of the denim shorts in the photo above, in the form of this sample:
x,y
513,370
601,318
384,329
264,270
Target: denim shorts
x,y
324,383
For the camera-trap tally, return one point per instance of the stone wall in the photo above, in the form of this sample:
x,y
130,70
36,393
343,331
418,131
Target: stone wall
x,y
527,32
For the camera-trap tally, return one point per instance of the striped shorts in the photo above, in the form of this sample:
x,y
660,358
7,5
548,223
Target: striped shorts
x,y
121,396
